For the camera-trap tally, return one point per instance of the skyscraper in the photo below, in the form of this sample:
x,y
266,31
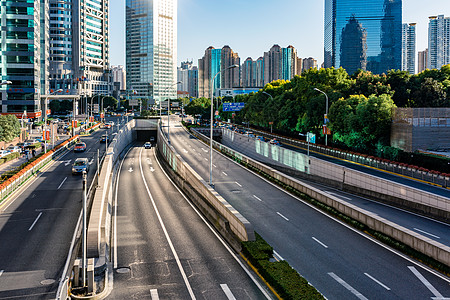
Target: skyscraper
x,y
409,48
422,58
119,75
151,49
438,41
363,34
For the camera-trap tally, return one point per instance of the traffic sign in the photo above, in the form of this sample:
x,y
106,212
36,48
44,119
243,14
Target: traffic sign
x,y
311,137
235,106
325,119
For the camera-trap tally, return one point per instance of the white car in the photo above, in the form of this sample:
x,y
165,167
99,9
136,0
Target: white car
x,y
4,153
14,149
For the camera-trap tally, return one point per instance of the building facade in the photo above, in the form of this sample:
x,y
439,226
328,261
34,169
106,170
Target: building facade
x,y
422,60
438,41
188,75
119,75
361,34
309,63
151,49
409,48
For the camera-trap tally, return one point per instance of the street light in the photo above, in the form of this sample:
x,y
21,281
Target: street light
x,y
271,122
168,115
326,112
45,118
212,116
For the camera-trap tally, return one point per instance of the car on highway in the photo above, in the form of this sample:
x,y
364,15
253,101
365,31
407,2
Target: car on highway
x,y
79,147
81,164
275,142
3,153
22,145
260,138
152,139
14,149
148,145
104,138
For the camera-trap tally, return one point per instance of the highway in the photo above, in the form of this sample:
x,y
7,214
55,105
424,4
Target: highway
x,y
163,248
339,261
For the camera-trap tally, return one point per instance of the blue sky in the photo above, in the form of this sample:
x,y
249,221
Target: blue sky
x,y
251,27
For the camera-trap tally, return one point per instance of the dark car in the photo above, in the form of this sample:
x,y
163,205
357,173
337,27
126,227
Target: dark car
x,y
104,138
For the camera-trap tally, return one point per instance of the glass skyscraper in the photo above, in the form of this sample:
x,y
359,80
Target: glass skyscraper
x,y
409,47
151,49
438,41
363,35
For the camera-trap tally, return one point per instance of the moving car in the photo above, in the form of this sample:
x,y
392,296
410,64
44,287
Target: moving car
x,y
104,138
80,165
152,139
4,153
14,149
79,147
148,145
275,142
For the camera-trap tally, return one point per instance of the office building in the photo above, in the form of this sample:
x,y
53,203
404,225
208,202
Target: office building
x,y
188,75
119,75
151,49
438,41
409,48
252,73
309,63
363,35
422,60
281,63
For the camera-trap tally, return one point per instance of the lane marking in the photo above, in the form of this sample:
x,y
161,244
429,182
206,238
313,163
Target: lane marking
x,y
206,158
174,252
277,256
325,246
67,162
238,183
214,166
417,229
340,196
224,173
282,216
62,183
426,283
154,294
347,286
35,221
204,150
130,169
377,281
1,272
257,198
227,292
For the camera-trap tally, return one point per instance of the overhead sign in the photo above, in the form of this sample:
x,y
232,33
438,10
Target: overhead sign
x,y
235,106
311,137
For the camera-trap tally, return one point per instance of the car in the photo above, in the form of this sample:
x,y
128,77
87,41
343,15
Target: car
x,y
80,164
107,125
14,149
32,141
260,138
152,139
148,145
4,153
22,145
79,147
275,142
104,138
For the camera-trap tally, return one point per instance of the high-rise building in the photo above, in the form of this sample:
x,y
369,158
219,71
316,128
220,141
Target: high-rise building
x,y
24,56
119,75
422,58
438,41
409,48
79,46
193,82
309,63
229,78
363,34
272,64
151,49
188,75
252,73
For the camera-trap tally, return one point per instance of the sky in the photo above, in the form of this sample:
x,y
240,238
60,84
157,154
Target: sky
x,y
252,27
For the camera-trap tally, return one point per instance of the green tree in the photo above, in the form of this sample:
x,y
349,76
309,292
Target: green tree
x,y
430,94
9,128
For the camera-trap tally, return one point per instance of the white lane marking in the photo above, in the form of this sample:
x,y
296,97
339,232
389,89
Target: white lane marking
x,y
193,149
224,173
417,229
257,198
377,281
67,162
1,272
214,166
174,252
185,151
154,294
91,162
426,283
278,256
238,183
35,221
206,158
130,169
204,150
149,161
227,292
340,196
62,183
282,216
347,286
88,150
325,246
152,169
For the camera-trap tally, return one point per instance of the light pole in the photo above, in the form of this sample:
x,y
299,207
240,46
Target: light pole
x,y
45,118
168,116
212,119
271,122
326,112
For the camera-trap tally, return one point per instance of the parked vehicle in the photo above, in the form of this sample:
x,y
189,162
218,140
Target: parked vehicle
x,y
80,165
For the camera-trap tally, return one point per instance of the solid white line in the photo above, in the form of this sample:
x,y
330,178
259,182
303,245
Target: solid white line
x,y
62,183
347,286
177,259
206,158
277,255
227,292
417,229
325,246
154,294
214,166
282,216
257,198
1,272
377,281
34,223
426,283
238,183
224,173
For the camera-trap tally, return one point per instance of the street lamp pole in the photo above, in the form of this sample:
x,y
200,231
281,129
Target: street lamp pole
x,y
212,119
45,118
168,116
326,112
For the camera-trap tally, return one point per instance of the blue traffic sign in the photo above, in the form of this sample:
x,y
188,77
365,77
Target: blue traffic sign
x,y
236,106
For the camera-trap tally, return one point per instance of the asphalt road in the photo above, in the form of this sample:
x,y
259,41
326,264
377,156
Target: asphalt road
x,y
163,248
37,225
340,262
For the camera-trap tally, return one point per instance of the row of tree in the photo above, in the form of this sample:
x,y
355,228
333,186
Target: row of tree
x,y
64,106
9,128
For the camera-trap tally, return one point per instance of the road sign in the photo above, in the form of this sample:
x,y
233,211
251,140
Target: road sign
x,y
235,106
311,137
325,119
326,130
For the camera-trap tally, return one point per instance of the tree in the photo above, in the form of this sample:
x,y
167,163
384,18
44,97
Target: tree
x,y
9,128
430,94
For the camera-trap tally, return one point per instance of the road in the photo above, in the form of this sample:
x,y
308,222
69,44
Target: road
x,y
339,261
163,246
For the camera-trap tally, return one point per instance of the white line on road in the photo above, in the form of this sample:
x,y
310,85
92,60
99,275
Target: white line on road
x,y
62,183
1,272
206,158
277,256
214,166
204,150
257,198
227,292
238,183
426,283
154,294
325,246
347,286
34,223
224,173
377,281
340,196
282,216
417,229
